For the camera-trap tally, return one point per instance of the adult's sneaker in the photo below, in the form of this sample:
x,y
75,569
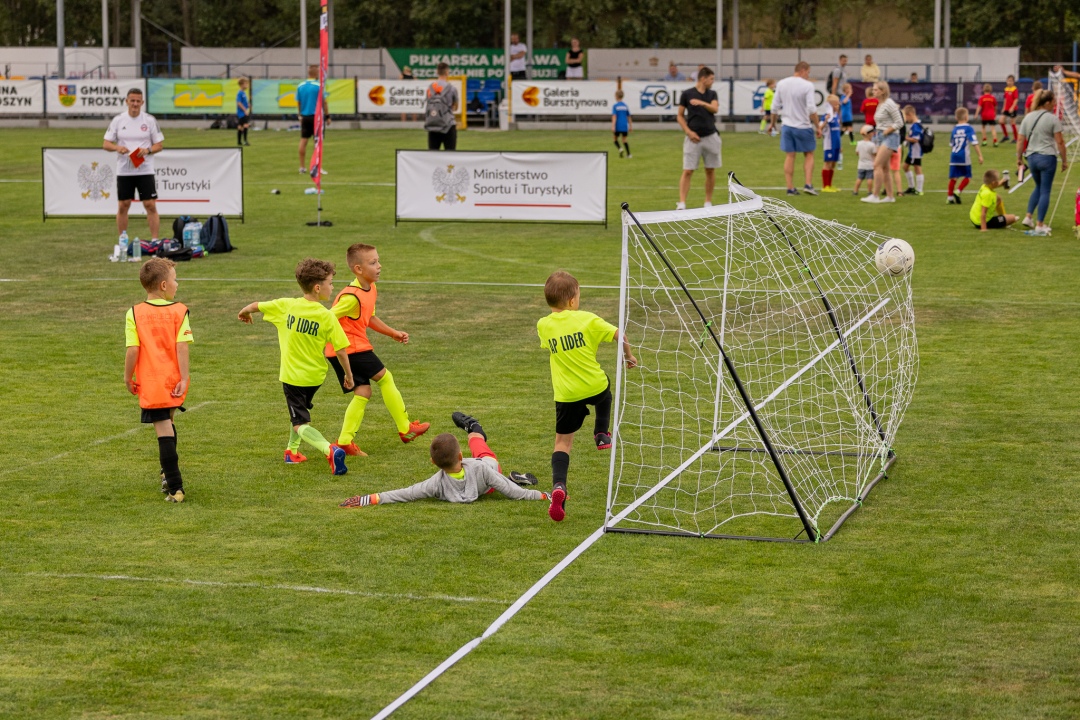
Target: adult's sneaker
x,y
416,429
809,190
603,441
792,191
524,479
872,199
294,458
176,497
336,458
557,509
468,423
354,450
1026,222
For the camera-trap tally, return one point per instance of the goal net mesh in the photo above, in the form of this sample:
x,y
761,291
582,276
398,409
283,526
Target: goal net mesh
x,y
823,344
1066,107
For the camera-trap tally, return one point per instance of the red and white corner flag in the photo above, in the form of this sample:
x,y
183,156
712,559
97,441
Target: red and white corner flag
x,y
320,107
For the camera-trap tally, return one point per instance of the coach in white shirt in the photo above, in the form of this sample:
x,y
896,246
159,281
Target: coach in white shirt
x,y
135,137
795,102
518,51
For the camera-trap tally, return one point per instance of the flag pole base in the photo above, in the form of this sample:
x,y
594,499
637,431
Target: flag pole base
x,y
321,223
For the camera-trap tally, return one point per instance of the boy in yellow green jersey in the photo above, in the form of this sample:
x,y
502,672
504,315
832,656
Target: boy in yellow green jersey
x,y
988,211
572,337
768,125
304,328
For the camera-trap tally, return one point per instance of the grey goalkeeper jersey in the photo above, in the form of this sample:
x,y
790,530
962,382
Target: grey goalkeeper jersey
x,y
480,476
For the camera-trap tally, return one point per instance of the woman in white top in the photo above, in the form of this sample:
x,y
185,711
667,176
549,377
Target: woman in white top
x,y
888,121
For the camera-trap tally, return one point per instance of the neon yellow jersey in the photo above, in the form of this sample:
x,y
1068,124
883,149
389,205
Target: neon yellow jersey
x,y
766,104
304,327
572,337
131,334
986,198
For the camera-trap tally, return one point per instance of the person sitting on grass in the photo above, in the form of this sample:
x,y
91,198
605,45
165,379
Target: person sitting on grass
x,y
988,211
460,479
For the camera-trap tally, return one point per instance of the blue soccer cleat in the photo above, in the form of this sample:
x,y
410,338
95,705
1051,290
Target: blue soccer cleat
x,y
336,458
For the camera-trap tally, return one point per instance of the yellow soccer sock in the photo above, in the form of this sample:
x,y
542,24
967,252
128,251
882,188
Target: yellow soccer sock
x,y
294,441
393,402
314,438
354,415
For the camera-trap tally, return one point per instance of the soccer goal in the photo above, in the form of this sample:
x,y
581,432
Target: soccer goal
x,y
775,365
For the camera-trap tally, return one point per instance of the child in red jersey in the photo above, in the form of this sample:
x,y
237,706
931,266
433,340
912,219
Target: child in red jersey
x,y
988,113
869,106
1010,108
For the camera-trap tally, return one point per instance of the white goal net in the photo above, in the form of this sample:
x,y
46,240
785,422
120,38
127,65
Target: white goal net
x,y
822,344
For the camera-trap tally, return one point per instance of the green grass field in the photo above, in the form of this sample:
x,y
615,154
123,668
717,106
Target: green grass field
x,y
952,594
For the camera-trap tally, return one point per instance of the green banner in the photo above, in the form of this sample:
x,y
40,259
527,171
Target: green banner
x,y
278,97
479,63
191,97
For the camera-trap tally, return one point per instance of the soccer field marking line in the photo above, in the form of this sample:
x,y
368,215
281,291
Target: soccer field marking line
x,y
99,441
596,535
273,586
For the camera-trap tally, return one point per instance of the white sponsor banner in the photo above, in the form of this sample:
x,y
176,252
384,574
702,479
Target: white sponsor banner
x,y
398,96
662,98
21,97
531,186
89,97
559,97
749,96
197,181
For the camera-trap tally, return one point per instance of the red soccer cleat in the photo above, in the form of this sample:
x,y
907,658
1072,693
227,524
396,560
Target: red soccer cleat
x,y
416,429
557,509
352,449
294,458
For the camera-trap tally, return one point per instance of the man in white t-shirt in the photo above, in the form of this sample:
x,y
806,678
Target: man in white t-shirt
x,y
796,103
136,138
518,51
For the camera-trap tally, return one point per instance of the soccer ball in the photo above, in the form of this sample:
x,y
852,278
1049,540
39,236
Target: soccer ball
x,y
894,257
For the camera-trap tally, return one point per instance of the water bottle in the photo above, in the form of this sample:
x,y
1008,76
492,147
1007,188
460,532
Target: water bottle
x,y
123,245
192,232
136,251
1005,177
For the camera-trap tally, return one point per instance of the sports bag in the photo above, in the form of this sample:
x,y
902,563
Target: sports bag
x,y
926,142
439,115
215,235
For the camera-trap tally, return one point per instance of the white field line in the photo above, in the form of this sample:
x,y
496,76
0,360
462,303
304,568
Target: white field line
x,y
99,441
591,540
262,586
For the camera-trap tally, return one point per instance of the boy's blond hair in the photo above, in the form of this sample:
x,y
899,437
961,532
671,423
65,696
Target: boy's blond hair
x,y
988,88
355,254
154,272
769,82
961,114
560,289
312,271
619,95
445,451
991,176
909,110
831,98
866,130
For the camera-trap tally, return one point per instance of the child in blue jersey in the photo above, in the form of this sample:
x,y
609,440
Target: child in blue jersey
x,y
830,142
621,124
847,120
243,112
961,142
913,161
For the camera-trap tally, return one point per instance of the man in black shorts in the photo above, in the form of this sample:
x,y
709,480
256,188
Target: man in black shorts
x,y
135,137
307,102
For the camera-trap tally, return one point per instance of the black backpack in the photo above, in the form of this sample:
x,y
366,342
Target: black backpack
x,y
215,235
926,142
178,226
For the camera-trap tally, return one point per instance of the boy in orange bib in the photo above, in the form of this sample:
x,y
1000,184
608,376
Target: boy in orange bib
x,y
354,308
156,363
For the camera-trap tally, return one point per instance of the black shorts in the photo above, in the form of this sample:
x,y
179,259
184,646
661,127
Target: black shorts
x,y
365,365
569,416
126,185
447,140
518,75
997,222
1009,113
914,162
158,414
621,134
242,120
989,123
298,399
307,126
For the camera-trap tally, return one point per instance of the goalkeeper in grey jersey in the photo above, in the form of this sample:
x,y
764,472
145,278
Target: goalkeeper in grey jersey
x,y
459,480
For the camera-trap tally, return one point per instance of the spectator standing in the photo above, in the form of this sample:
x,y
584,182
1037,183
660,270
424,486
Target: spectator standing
x,y
887,124
307,102
694,75
575,57
796,104
1040,143
407,74
439,113
838,77
243,112
518,51
914,78
869,71
673,74
135,137
697,118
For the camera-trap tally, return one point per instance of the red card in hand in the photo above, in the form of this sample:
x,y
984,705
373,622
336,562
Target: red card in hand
x,y
137,160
